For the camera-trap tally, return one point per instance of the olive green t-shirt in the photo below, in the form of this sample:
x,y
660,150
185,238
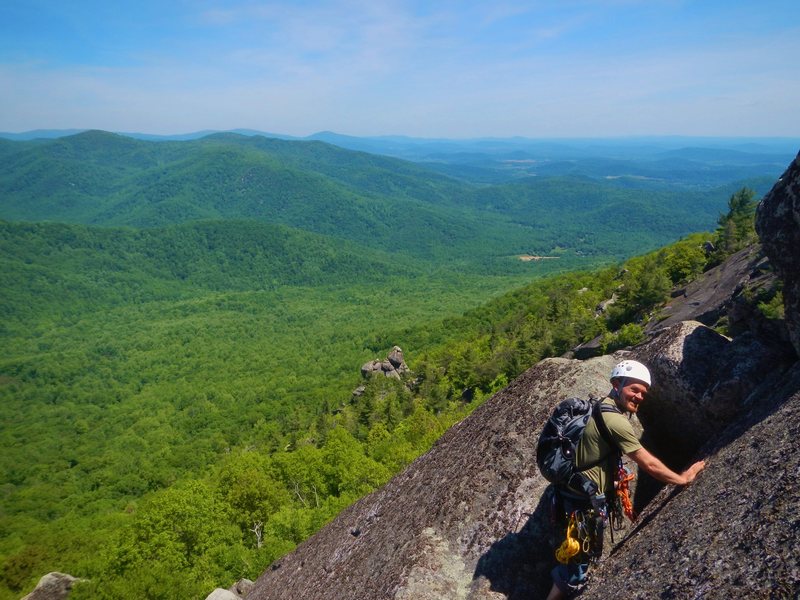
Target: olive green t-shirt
x,y
593,447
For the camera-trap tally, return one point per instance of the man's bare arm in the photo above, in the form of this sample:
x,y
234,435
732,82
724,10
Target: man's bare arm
x,y
657,469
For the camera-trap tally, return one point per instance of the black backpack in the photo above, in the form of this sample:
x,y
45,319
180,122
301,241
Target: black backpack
x,y
558,442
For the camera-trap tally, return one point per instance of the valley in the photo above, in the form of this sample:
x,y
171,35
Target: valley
x,y
183,324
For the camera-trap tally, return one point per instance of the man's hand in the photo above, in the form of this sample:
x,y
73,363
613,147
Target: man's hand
x,y
690,473
657,469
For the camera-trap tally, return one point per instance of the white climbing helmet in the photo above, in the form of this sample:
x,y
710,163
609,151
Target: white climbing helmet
x,y
631,369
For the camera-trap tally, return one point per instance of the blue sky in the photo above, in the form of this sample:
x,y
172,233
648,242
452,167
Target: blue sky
x,y
458,69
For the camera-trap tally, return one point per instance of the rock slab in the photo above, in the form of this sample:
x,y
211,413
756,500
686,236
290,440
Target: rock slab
x,y
778,227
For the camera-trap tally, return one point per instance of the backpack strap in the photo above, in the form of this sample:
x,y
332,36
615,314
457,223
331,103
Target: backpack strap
x,y
615,457
597,415
597,411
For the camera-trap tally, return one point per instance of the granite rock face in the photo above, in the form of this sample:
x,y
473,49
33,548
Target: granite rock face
x,y
778,227
735,532
465,520
727,291
702,382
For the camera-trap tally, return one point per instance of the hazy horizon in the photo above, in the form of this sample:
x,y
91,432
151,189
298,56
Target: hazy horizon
x,y
621,139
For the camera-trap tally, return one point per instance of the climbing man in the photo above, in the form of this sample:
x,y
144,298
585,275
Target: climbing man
x,y
600,462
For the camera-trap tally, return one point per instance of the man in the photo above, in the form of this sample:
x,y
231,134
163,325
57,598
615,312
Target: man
x,y
630,382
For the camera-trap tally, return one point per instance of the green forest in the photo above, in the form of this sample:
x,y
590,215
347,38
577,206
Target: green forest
x,y
102,179
179,360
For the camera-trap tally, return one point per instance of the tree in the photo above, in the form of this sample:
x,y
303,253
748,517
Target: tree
x,y
348,470
176,527
248,483
645,286
684,260
737,228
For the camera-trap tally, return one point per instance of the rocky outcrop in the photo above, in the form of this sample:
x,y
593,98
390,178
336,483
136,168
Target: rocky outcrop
x,y
393,366
728,293
717,291
242,587
778,226
53,586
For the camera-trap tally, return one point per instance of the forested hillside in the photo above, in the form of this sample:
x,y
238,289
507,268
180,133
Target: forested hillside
x,y
64,269
100,178
180,352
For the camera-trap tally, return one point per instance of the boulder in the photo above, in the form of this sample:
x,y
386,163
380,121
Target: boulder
x,y
778,227
368,368
220,594
701,384
53,586
242,587
396,357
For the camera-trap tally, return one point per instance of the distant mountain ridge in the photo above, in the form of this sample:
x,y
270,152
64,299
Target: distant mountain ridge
x,y
496,157
104,179
107,179
674,142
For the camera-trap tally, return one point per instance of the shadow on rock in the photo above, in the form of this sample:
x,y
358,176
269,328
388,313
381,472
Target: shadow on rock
x,y
518,565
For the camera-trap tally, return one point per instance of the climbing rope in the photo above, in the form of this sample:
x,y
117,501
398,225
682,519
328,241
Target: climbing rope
x,y
570,546
624,492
